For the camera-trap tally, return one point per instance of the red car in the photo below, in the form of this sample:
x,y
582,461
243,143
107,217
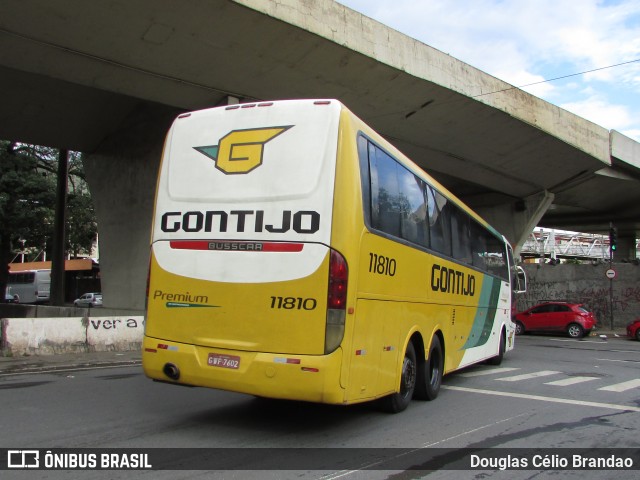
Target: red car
x,y
571,318
633,329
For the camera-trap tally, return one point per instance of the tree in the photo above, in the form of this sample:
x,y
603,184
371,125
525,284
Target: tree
x,y
27,202
81,227
26,198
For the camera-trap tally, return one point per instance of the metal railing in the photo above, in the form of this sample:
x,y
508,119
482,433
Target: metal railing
x,y
559,244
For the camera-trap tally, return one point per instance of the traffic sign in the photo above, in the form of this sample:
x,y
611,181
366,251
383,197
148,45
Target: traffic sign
x,y
610,273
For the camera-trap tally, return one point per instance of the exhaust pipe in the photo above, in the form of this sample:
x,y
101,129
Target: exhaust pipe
x,y
171,371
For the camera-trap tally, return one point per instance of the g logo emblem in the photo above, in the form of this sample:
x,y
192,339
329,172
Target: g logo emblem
x,y
241,151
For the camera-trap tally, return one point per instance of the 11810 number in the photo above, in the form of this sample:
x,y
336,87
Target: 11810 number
x,y
382,265
293,303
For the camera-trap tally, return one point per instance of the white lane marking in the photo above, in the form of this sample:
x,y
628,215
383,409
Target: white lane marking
x,y
576,340
622,387
527,376
344,473
614,360
569,401
487,371
571,381
592,341
473,430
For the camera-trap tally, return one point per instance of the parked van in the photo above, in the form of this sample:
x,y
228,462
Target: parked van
x,y
29,286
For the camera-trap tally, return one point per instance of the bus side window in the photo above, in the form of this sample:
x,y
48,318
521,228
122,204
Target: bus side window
x,y
385,193
461,239
414,210
439,221
478,247
365,177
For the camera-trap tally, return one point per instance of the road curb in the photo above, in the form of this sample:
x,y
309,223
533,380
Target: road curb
x,y
68,362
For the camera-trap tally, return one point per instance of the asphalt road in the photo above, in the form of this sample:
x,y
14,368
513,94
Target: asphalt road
x,y
551,392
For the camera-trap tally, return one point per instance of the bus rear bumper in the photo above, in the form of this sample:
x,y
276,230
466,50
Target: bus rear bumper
x,y
313,378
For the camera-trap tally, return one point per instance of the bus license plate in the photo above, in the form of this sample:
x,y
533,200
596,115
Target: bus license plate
x,y
224,361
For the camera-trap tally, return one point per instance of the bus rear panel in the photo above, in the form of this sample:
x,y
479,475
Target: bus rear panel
x,y
242,286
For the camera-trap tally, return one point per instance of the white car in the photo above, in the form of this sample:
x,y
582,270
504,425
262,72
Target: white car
x,y
89,300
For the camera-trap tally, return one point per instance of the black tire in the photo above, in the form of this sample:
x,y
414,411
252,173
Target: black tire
x,y
638,334
575,330
400,400
430,373
497,360
519,328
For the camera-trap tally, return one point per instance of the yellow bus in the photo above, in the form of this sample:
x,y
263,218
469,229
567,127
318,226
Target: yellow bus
x,y
298,255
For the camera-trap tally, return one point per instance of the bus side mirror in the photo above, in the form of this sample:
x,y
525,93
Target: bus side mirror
x,y
520,282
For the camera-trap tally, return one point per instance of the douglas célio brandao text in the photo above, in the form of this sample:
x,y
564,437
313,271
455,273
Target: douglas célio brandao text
x,y
566,461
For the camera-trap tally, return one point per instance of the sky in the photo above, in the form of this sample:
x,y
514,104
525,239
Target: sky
x,y
525,42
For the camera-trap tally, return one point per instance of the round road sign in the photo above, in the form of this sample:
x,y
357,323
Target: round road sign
x,y
610,273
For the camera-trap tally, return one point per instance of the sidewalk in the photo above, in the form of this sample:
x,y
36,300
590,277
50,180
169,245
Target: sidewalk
x,y
618,332
67,362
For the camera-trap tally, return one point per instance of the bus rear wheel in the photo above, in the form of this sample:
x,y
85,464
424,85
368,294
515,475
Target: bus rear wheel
x,y
431,371
399,401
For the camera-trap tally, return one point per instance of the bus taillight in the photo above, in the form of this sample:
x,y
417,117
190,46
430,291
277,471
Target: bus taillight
x,y
338,279
336,301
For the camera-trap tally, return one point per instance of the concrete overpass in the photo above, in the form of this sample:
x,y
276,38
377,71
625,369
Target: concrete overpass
x,y
108,77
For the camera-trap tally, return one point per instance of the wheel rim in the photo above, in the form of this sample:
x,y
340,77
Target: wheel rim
x,y
574,331
408,377
519,328
434,366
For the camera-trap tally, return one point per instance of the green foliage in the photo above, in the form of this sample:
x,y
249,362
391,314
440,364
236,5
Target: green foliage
x,y
27,202
26,198
81,224
575,261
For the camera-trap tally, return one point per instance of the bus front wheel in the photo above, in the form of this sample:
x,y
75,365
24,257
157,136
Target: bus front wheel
x,y
497,360
399,401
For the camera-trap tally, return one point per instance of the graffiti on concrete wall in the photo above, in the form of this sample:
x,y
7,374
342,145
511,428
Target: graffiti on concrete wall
x,y
113,323
620,299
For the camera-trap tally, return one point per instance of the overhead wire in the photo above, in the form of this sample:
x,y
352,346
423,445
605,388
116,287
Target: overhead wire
x,y
512,87
561,77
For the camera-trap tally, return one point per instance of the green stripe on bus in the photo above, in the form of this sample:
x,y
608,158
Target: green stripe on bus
x,y
189,305
485,314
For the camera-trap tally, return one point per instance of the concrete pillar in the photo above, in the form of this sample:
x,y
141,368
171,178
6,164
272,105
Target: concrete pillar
x,y
122,175
517,220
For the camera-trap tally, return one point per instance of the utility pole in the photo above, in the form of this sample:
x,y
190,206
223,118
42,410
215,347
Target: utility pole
x,y
613,245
